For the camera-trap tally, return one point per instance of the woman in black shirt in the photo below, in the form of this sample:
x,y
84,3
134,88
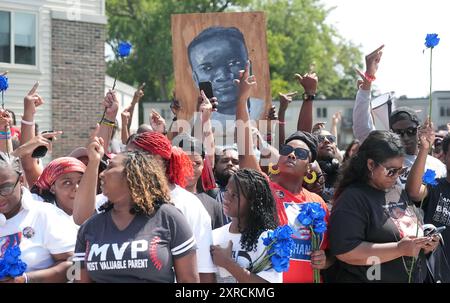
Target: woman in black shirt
x,y
374,230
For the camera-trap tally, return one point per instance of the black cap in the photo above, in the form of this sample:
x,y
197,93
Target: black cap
x,y
403,113
309,140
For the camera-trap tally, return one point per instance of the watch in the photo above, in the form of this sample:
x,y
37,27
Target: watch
x,y
307,97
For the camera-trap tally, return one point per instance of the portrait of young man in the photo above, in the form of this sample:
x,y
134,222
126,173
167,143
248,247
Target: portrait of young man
x,y
216,47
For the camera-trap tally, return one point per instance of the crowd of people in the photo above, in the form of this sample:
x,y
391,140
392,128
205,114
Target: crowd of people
x,y
169,205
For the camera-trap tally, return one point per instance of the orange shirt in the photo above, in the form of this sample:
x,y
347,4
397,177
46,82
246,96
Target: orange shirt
x,y
300,270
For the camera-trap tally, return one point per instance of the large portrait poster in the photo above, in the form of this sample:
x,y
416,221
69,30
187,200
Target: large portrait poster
x,y
214,47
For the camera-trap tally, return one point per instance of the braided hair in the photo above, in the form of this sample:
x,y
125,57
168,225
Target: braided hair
x,y
262,209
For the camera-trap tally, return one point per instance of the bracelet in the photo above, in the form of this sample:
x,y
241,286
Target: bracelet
x,y
31,123
107,123
369,78
7,133
5,137
281,122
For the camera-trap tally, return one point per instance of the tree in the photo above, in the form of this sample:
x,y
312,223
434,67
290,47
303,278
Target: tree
x,y
297,37
146,24
300,40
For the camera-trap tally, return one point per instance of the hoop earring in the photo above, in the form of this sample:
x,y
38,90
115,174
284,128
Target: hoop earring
x,y
272,170
312,179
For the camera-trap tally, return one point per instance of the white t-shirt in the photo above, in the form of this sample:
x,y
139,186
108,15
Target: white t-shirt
x,y
222,235
200,222
41,229
431,163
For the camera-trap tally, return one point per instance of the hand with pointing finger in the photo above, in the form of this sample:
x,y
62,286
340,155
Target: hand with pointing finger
x,y
309,82
95,148
285,99
372,61
35,142
31,101
157,122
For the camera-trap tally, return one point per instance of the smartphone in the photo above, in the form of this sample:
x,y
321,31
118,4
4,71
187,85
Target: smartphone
x,y
207,88
41,151
435,231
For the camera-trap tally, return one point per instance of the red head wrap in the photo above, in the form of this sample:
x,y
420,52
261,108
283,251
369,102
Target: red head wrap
x,y
57,168
179,165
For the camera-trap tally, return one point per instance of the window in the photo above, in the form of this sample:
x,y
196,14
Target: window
x,y
321,112
18,38
445,111
5,37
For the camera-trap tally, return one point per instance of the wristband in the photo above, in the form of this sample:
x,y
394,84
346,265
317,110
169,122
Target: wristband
x,y
107,123
369,78
31,123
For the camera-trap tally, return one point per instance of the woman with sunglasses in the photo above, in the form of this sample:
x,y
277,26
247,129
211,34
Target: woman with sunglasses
x,y
296,156
374,229
44,234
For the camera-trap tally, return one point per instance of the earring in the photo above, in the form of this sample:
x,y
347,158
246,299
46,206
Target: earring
x,y
312,178
273,169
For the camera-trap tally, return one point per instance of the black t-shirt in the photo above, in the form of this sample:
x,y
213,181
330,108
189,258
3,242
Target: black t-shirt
x,y
214,209
143,252
364,214
437,209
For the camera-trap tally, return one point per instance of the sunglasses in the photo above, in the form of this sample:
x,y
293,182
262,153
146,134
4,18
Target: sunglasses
x,y
410,131
300,153
8,190
330,138
391,172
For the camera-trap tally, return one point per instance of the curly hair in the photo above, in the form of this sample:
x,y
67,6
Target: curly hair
x,y
147,182
262,213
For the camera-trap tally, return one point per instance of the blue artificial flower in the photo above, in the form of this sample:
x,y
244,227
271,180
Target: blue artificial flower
x,y
12,254
304,216
3,83
4,269
429,177
431,40
317,212
283,232
320,227
279,263
17,269
124,49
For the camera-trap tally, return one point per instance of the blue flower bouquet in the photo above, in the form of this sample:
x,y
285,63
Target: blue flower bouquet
x,y
312,216
11,265
277,251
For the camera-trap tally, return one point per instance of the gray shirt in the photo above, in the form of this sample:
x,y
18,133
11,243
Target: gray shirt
x,y
143,252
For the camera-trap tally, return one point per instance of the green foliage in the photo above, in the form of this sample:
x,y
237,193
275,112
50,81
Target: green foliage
x,y
297,37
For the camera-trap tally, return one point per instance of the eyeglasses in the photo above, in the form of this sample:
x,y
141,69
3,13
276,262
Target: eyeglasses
x,y
410,131
390,172
300,153
8,190
330,138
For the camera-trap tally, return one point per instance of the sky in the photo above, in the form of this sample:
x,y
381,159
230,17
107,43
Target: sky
x,y
402,26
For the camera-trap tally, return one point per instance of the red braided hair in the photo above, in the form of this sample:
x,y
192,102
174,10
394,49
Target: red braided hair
x,y
179,166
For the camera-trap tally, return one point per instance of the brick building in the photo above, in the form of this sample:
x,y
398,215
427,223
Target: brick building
x,y
61,44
